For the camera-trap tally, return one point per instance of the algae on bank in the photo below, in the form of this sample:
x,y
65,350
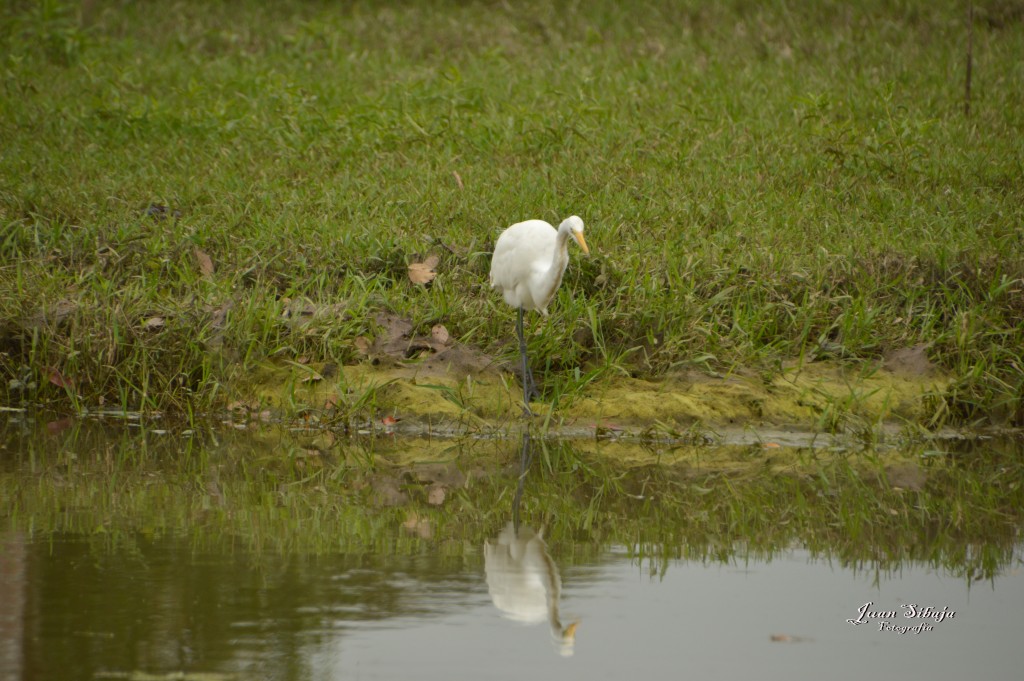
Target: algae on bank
x,y
818,396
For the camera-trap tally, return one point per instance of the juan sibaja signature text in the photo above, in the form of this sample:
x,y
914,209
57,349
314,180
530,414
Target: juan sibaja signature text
x,y
925,616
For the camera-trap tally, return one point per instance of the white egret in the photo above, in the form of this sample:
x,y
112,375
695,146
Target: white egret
x,y
527,267
524,583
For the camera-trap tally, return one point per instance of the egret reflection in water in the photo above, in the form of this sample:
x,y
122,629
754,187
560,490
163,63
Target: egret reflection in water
x,y
522,579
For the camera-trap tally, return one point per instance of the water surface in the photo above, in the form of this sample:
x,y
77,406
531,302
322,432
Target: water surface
x,y
131,554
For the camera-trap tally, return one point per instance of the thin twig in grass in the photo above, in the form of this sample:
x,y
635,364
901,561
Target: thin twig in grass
x,y
970,57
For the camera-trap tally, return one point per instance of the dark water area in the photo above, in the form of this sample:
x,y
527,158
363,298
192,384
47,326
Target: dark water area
x,y
144,553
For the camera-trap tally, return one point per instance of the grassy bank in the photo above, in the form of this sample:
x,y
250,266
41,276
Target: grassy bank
x,y
760,183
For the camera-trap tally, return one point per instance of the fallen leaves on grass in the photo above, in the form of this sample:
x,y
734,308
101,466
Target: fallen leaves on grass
x,y
436,495
58,379
362,344
422,273
204,261
440,334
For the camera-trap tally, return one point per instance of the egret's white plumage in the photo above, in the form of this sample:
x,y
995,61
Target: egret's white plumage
x,y
527,266
524,583
530,259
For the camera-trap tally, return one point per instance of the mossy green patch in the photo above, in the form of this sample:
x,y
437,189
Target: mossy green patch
x,y
419,395
813,395
430,393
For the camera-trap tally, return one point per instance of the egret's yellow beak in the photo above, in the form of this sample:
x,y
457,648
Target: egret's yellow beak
x,y
581,241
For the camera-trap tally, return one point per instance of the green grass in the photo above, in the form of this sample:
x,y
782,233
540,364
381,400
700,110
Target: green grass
x,y
756,178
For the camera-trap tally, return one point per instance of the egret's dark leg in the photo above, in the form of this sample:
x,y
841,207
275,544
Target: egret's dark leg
x,y
525,456
528,387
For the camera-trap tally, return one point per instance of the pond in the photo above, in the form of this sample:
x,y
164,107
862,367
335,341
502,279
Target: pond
x,y
133,551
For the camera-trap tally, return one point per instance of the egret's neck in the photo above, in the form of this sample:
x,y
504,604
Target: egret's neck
x,y
560,258
553,277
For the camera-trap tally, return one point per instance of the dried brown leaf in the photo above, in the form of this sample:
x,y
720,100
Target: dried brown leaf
x,y
412,519
439,334
422,273
59,380
204,261
59,426
436,495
